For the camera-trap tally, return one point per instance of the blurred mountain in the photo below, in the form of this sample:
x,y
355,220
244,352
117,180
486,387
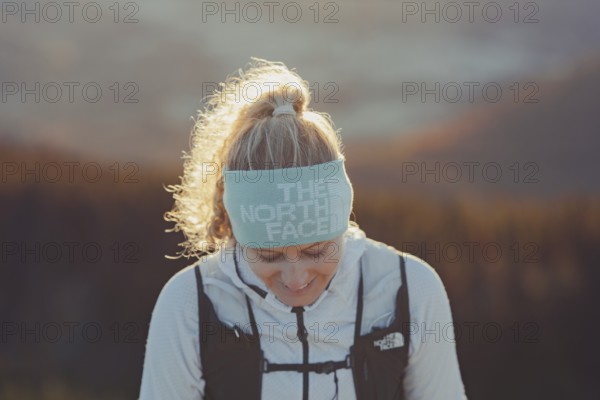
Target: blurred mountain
x,y
163,65
543,149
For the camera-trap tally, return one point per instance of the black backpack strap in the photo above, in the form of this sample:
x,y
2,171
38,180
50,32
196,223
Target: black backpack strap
x,y
402,306
227,351
359,306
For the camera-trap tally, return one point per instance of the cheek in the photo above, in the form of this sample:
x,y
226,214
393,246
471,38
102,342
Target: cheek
x,y
267,273
326,268
332,258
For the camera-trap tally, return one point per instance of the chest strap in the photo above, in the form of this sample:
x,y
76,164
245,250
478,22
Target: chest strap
x,y
320,368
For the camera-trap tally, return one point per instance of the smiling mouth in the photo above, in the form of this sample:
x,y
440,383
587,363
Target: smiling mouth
x,y
300,290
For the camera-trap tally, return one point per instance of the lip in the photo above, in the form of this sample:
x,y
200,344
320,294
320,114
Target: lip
x,y
299,292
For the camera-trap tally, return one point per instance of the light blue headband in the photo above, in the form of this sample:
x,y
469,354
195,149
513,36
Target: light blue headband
x,y
288,206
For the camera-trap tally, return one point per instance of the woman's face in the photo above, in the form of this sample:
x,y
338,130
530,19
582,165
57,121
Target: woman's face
x,y
297,275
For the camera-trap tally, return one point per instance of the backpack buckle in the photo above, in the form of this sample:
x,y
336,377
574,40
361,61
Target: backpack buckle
x,y
349,361
264,365
326,367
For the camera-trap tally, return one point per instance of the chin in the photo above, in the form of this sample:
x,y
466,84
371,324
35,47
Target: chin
x,y
298,302
307,297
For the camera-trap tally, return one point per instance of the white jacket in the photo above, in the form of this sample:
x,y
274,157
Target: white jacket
x,y
172,369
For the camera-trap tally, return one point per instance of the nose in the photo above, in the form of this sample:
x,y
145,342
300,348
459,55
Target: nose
x,y
296,277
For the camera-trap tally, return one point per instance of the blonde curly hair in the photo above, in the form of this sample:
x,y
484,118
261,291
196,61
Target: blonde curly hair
x,y
236,130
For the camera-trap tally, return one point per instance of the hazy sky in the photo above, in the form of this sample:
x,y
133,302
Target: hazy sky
x,y
361,65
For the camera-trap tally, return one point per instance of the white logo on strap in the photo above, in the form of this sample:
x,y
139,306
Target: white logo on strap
x,y
390,341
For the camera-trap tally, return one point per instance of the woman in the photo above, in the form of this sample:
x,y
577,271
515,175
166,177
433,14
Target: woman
x,y
289,299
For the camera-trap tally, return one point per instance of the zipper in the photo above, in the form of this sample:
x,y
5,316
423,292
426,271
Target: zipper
x,y
302,335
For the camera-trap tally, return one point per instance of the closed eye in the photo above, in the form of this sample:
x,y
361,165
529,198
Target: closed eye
x,y
270,258
318,253
278,256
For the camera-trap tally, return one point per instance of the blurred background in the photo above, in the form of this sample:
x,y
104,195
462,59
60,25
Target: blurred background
x,y
471,131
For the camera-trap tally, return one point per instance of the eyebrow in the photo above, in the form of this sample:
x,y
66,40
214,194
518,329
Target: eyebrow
x,y
281,252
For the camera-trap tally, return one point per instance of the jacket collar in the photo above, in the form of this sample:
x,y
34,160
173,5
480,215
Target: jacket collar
x,y
341,284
